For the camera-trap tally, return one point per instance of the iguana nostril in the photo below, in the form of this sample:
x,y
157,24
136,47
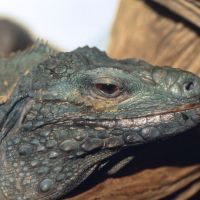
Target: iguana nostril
x,y
189,86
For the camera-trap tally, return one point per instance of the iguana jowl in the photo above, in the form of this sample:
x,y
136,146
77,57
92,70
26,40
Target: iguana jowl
x,y
70,112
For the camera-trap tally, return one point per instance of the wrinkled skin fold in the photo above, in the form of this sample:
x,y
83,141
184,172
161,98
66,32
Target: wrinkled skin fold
x,y
71,112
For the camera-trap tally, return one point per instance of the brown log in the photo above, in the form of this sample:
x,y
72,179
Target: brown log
x,y
145,185
170,169
139,31
189,9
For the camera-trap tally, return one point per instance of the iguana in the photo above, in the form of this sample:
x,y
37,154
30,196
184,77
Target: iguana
x,y
64,115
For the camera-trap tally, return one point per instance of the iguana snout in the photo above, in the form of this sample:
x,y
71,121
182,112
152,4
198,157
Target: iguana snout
x,y
180,83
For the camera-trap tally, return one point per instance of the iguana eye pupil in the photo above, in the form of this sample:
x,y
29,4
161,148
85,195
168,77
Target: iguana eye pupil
x,y
108,89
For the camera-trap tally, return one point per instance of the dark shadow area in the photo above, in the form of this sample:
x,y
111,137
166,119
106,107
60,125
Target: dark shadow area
x,y
196,197
181,150
171,15
13,37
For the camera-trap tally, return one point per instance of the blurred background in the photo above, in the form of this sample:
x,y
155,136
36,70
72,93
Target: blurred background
x,y
65,24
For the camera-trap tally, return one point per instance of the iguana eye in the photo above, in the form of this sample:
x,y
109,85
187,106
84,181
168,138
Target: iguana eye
x,y
106,89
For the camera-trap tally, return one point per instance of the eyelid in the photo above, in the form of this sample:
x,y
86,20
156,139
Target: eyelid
x,y
106,80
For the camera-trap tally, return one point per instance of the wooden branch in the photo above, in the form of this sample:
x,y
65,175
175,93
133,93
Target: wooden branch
x,y
139,31
145,185
189,9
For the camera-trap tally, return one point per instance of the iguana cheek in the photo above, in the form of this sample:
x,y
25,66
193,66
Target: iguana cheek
x,y
101,106
93,104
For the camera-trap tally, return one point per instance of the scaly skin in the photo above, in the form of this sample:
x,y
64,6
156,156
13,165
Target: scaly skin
x,y
11,68
72,112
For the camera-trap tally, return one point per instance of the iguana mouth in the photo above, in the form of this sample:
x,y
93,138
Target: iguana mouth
x,y
182,108
156,118
190,111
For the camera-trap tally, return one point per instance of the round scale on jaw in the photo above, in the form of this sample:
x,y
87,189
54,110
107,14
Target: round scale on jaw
x,y
132,137
43,170
117,132
79,135
43,140
53,154
113,142
22,163
69,145
60,177
91,144
51,143
80,153
40,148
57,169
34,163
35,141
16,141
149,133
45,133
103,134
46,185
44,161
25,169
25,149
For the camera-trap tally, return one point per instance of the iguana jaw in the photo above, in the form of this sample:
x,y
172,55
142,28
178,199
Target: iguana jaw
x,y
139,121
188,111
158,125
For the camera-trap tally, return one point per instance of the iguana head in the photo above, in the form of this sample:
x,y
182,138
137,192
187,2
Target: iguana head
x,y
77,109
129,98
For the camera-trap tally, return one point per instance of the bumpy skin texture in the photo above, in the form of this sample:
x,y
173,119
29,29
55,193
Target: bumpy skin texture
x,y
72,112
12,67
